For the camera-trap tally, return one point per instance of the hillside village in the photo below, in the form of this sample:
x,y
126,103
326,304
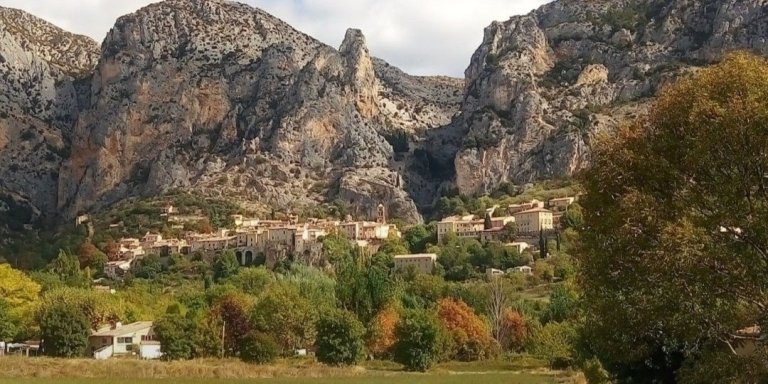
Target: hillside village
x,y
256,241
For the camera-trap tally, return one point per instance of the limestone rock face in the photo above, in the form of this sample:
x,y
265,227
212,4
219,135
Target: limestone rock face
x,y
227,100
41,67
541,85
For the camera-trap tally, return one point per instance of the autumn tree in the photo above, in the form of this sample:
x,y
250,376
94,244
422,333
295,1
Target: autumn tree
x,y
381,332
674,247
233,311
514,332
471,336
20,292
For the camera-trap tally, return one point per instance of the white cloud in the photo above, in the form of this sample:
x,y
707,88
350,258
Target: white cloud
x,y
420,36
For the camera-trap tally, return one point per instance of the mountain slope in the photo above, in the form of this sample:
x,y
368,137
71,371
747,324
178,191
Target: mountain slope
x,y
40,66
541,85
227,100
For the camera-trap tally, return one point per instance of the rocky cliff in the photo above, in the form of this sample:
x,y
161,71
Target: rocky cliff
x,y
227,100
541,85
40,71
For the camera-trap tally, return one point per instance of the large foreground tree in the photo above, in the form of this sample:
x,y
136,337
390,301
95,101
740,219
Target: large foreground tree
x,y
674,248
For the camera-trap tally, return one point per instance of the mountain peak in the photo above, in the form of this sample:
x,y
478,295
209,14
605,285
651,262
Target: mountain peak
x,y
72,54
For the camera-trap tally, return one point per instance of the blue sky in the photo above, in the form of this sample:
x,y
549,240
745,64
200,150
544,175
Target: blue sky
x,y
423,37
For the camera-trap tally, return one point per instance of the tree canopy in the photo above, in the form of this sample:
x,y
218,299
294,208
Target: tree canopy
x,y
674,247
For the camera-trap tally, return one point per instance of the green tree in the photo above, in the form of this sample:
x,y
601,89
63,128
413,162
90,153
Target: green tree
x,y
418,340
67,267
98,308
418,237
563,305
509,232
573,218
252,280
555,342
64,331
148,267
8,322
674,243
363,286
176,334
286,316
339,338
258,348
225,266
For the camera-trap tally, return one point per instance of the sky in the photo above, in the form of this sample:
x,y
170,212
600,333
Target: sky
x,y
422,37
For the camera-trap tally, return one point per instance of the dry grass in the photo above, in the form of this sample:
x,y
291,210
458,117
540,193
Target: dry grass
x,y
19,367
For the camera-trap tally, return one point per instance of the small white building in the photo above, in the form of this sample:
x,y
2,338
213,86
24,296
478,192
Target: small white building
x,y
119,339
519,246
493,272
526,270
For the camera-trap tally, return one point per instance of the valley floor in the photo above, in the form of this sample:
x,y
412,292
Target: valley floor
x,y
127,371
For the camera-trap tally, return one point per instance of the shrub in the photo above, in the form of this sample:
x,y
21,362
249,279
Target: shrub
x,y
258,348
339,339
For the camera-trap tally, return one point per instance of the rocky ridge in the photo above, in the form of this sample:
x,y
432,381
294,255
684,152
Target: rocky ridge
x,y
40,71
541,85
227,100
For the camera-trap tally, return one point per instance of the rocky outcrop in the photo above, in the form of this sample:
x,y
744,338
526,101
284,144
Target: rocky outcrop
x,y
227,100
40,69
541,85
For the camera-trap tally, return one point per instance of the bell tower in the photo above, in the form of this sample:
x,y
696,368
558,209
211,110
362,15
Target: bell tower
x,y
381,214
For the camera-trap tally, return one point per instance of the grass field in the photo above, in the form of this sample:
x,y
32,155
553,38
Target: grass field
x,y
17,370
397,378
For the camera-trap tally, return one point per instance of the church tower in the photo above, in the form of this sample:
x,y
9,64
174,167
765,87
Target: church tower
x,y
381,214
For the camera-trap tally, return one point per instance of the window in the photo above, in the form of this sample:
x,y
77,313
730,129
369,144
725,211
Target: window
x,y
124,340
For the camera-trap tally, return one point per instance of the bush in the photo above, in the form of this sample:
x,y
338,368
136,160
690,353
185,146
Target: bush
x,y
418,341
339,339
64,330
258,348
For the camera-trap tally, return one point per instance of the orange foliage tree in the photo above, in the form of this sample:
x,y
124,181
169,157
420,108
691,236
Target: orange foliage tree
x,y
471,336
381,332
514,331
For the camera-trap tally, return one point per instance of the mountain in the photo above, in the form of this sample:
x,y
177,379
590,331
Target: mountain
x,y
41,67
225,100
228,100
542,85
